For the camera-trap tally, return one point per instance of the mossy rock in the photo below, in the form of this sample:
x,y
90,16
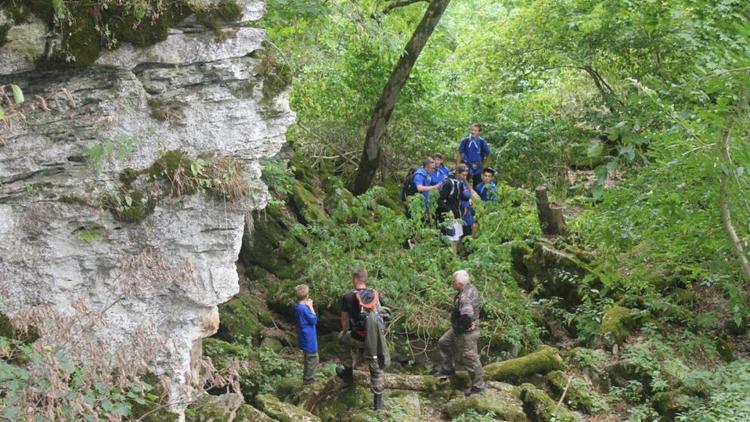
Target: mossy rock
x,y
540,407
399,406
209,408
348,399
578,395
307,204
549,272
243,317
271,343
262,248
541,361
221,351
617,324
249,413
283,412
670,403
503,402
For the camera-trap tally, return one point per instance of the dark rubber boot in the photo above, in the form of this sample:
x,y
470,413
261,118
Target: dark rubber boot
x,y
378,402
346,374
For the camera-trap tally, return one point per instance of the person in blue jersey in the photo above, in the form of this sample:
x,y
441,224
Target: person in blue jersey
x,y
474,151
441,171
307,338
423,180
487,189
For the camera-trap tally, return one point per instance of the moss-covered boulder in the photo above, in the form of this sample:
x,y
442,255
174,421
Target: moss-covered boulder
x,y
516,370
346,400
262,245
249,413
306,204
578,394
540,407
283,412
224,408
670,403
504,402
550,272
617,324
399,406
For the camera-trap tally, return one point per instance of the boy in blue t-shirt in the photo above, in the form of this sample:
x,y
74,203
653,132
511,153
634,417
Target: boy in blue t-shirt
x,y
487,189
474,152
440,172
307,338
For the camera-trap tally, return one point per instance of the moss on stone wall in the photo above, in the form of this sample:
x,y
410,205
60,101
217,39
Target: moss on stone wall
x,y
88,28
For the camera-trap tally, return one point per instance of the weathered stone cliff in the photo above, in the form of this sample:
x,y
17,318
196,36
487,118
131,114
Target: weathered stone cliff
x,y
88,222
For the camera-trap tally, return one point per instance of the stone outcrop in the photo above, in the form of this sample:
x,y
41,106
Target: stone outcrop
x,y
82,224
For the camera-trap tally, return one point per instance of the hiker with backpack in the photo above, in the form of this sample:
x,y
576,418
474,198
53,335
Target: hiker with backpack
x,y
453,193
474,151
363,334
464,332
419,181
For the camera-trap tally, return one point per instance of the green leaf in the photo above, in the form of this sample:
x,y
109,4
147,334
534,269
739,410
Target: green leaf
x,y
58,8
595,150
2,112
17,94
128,200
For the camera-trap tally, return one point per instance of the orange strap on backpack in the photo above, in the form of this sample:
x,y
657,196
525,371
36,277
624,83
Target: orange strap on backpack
x,y
373,305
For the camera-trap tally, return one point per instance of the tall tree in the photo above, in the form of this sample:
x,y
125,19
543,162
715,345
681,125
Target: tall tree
x,y
381,114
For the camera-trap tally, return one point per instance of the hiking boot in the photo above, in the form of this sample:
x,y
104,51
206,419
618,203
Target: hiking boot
x,y
378,402
474,390
443,372
346,374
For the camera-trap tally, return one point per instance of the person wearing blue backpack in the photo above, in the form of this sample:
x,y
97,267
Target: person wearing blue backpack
x,y
474,151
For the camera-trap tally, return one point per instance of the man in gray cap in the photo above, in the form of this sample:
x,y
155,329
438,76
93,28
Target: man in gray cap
x,y
464,332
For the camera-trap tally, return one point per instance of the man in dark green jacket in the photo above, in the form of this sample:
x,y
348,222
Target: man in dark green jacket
x,y
464,331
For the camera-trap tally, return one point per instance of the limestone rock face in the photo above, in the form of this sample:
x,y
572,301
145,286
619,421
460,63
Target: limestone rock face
x,y
73,141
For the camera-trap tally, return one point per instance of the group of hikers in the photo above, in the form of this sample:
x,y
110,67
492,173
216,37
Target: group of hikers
x,y
362,337
363,312
470,181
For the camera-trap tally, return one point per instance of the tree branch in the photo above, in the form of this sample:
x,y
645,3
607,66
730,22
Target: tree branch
x,y
402,3
726,217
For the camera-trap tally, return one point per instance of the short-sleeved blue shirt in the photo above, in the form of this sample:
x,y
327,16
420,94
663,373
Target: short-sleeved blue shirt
x,y
473,150
439,174
487,192
468,214
307,338
422,178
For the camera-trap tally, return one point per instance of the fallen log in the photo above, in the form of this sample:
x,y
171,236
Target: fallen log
x,y
542,361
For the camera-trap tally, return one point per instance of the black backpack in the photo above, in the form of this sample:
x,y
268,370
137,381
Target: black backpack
x,y
408,187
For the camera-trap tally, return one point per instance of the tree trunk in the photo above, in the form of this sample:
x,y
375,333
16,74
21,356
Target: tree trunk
x,y
368,164
551,218
726,217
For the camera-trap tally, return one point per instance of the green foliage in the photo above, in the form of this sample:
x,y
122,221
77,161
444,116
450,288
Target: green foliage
x,y
51,386
118,148
729,399
91,235
270,370
416,282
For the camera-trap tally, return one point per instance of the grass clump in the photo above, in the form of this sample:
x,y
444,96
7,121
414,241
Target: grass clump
x,y
220,177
